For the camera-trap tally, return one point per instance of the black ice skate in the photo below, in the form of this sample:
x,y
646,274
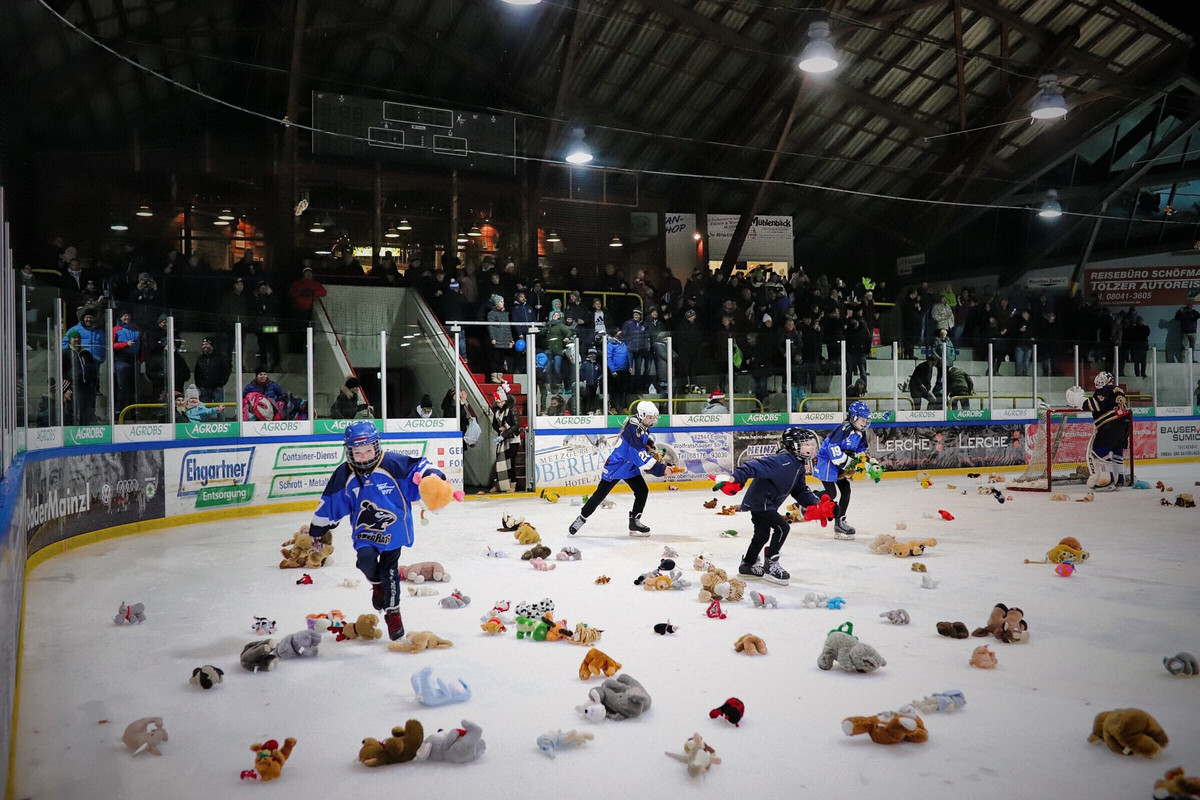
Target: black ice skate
x,y
775,573
750,571
577,524
395,624
377,596
636,528
842,529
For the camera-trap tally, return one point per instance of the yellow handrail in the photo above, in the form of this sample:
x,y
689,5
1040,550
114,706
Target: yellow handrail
x,y
121,417
695,399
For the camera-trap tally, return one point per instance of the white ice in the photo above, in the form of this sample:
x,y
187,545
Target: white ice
x,y
1097,643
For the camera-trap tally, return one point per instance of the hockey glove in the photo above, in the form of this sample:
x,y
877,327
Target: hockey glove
x,y
821,512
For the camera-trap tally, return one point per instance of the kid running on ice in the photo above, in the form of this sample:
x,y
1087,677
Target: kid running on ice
x,y
835,462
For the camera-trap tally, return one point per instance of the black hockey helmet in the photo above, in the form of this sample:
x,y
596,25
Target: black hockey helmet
x,y
800,442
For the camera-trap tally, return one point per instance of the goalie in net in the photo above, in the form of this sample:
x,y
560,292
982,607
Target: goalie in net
x,y
1065,450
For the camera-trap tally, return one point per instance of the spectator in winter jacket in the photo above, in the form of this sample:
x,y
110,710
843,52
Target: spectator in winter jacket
x,y
303,293
91,336
620,369
521,312
589,382
688,340
212,372
923,380
127,360
156,370
263,384
558,338
81,369
959,385
501,336
349,402
196,410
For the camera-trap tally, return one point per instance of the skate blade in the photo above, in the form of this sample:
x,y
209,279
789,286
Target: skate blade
x,y
640,534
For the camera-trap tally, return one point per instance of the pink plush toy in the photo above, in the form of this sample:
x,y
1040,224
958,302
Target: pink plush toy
x,y
423,571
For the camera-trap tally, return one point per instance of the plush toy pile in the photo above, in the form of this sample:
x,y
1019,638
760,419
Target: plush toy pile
x,y
302,551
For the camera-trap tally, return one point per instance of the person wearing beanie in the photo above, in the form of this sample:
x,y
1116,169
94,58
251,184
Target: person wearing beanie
x,y
196,411
507,427
589,382
350,402
558,338
211,372
424,409
81,368
637,340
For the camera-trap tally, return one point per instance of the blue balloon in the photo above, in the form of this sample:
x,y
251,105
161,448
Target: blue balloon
x,y
519,345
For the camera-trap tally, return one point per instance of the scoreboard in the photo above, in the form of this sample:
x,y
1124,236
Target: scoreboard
x,y
413,134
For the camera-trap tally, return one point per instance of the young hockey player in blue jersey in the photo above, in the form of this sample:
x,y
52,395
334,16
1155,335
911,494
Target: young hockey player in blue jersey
x,y
835,462
377,491
1112,419
634,453
775,477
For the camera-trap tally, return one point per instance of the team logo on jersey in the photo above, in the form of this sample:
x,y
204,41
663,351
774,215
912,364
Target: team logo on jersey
x,y
373,518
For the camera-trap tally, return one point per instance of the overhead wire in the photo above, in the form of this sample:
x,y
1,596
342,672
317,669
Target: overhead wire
x,y
537,159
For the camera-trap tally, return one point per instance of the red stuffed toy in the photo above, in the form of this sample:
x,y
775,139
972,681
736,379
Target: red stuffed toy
x,y
822,511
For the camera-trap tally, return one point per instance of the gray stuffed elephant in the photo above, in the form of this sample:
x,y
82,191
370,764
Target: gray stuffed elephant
x,y
622,697
301,644
457,745
849,653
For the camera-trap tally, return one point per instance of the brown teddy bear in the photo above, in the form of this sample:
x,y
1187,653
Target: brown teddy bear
x,y
750,644
423,571
914,547
365,627
714,583
890,727
1126,731
420,640
597,663
882,544
527,534
1176,784
401,746
270,757
297,549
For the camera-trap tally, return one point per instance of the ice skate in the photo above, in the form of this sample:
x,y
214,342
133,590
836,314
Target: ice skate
x,y
775,573
842,529
395,624
377,596
750,571
636,528
577,524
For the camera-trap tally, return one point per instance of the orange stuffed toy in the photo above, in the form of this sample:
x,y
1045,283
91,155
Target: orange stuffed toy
x,y
889,727
270,757
436,493
597,663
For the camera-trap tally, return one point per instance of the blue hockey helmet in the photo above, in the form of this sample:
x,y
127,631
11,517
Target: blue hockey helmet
x,y
859,415
361,433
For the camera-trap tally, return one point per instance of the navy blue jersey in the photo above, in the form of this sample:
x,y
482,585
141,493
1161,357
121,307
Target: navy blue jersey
x,y
775,478
631,456
379,505
1111,415
836,451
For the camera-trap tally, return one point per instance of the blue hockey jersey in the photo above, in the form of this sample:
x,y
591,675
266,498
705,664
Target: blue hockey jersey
x,y
775,477
630,456
837,450
379,505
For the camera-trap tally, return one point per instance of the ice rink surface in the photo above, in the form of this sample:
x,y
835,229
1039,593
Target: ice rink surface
x,y
1097,643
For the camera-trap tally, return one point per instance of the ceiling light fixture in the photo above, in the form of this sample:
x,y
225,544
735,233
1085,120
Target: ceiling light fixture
x,y
1050,208
474,233
462,238
226,215
1049,104
553,238
392,233
118,225
522,2
616,242
144,211
404,225
322,225
819,55
577,151
220,222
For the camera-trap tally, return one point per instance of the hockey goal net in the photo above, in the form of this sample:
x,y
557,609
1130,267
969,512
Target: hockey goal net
x,y
1057,447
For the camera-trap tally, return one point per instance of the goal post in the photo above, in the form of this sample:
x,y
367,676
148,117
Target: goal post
x,y
1057,449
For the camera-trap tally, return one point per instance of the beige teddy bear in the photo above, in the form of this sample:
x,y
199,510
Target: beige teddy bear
x,y
914,547
423,571
419,641
750,644
297,549
714,583
365,627
527,534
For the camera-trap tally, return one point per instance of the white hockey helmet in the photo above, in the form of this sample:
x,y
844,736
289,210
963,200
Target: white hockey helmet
x,y
646,413
1103,379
